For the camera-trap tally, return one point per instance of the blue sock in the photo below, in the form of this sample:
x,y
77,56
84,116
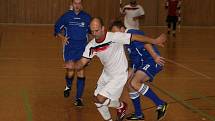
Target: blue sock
x,y
135,97
69,81
80,87
146,91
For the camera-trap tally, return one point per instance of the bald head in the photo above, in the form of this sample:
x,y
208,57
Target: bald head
x,y
97,27
79,1
97,20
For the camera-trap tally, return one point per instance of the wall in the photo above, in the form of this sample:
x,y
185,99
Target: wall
x,y
194,12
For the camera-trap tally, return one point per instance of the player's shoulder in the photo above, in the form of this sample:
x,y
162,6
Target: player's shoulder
x,y
139,6
127,6
91,42
68,13
84,13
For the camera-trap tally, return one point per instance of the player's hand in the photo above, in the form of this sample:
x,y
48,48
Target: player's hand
x,y
160,60
160,40
78,65
64,40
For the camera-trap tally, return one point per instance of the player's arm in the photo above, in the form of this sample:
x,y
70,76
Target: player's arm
x,y
158,41
83,62
63,38
140,15
179,5
121,8
166,4
157,58
126,38
59,25
86,57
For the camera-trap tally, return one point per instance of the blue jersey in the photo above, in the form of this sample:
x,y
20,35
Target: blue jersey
x,y
136,50
75,26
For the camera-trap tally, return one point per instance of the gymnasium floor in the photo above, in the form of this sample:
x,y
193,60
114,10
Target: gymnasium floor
x,y
32,83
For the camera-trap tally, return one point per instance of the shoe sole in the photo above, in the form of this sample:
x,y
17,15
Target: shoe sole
x,y
135,119
67,93
79,106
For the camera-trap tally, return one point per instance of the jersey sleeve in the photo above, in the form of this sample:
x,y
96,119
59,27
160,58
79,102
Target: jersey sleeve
x,y
88,52
88,23
141,11
60,23
122,38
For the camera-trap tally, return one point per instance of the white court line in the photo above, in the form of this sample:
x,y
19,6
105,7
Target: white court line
x,y
189,69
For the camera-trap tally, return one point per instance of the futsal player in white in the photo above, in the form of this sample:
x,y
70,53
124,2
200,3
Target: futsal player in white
x,y
109,48
132,13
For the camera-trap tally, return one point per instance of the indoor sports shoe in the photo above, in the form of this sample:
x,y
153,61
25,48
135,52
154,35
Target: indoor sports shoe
x,y
121,112
67,92
79,103
161,111
134,117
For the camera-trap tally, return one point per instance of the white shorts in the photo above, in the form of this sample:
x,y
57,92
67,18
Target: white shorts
x,y
111,86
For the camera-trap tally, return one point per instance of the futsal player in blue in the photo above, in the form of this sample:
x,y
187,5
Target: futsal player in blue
x,y
146,62
72,29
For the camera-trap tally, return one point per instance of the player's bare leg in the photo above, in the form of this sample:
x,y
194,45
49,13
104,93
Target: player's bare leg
x,y
138,83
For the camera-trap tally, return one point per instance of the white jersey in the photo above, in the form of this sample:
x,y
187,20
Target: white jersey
x,y
110,52
112,56
131,12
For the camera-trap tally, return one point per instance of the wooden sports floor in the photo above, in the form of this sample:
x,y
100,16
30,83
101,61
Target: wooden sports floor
x,y
32,77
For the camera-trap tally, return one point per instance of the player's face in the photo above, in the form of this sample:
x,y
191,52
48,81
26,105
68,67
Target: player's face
x,y
77,5
133,3
96,29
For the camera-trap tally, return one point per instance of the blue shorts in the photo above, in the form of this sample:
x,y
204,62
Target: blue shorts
x,y
151,68
73,53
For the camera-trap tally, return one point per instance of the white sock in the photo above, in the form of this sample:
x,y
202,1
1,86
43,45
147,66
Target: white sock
x,y
104,111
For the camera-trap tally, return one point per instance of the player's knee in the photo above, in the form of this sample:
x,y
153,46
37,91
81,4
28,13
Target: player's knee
x,y
80,73
70,73
129,87
99,99
70,65
133,83
141,77
102,102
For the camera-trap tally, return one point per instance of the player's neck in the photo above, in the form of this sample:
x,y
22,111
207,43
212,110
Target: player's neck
x,y
102,38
